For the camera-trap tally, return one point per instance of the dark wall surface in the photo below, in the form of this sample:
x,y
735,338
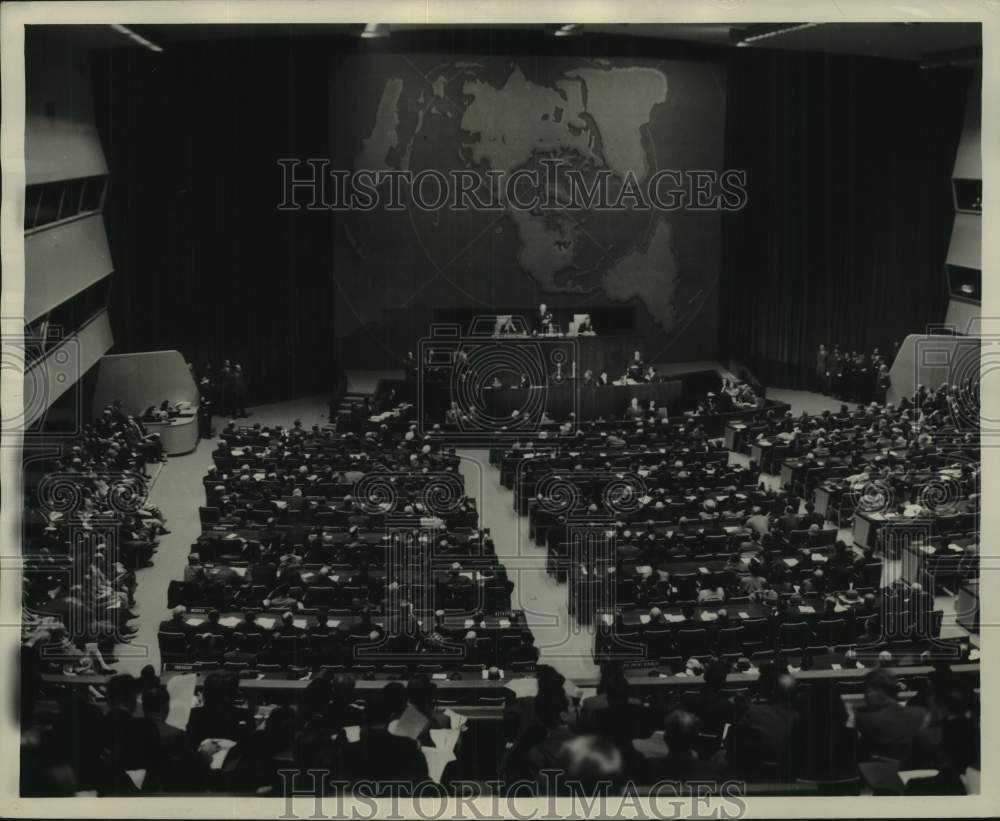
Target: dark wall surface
x,y
205,262
849,206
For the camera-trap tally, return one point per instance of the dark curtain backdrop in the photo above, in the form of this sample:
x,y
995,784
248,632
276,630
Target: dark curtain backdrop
x,y
844,235
204,261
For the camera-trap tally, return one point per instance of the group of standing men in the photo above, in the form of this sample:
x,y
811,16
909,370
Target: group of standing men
x,y
853,376
222,391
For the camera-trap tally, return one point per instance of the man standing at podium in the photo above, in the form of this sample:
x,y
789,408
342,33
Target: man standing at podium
x,y
544,318
634,411
635,368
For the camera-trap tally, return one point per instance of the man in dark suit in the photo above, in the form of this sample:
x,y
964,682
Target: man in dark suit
x,y
175,765
248,626
811,517
681,763
822,365
129,742
634,410
213,627
381,756
635,367
526,650
544,318
287,628
176,623
789,521
886,727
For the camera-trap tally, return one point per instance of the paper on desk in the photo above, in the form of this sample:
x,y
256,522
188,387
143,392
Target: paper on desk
x,y
818,557
353,733
790,562
300,623
181,689
440,676
191,621
224,745
836,667
138,777
839,608
229,621
703,570
806,608
644,570
267,622
410,724
523,687
708,616
445,738
240,571
457,719
438,757
504,623
906,775
955,547
743,614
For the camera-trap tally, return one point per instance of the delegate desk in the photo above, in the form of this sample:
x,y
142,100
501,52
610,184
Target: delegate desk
x,y
876,530
451,624
922,561
650,681
586,401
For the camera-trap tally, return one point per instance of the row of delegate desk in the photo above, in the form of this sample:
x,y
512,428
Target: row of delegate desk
x,y
468,695
620,631
572,396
